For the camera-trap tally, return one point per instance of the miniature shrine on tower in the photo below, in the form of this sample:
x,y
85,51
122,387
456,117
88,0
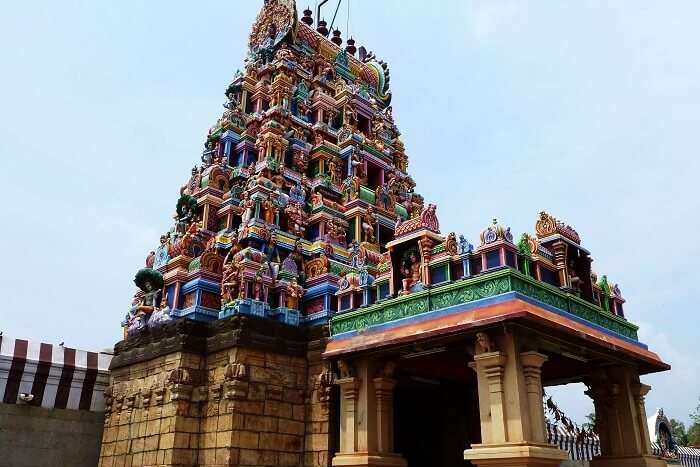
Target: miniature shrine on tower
x,y
306,309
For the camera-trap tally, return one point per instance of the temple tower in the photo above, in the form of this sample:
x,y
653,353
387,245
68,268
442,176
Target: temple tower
x,y
305,308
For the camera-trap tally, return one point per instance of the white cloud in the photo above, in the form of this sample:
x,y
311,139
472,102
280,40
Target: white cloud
x,y
670,389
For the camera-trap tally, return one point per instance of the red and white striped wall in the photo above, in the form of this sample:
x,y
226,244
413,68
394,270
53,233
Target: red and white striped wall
x,y
579,448
57,377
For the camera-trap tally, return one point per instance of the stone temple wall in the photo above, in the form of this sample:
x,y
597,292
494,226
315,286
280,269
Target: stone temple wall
x,y
257,419
219,399
150,420
318,447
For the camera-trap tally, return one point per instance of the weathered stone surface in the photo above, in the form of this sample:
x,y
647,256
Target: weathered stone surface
x,y
217,396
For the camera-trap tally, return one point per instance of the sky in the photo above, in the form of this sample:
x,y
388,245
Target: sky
x,y
586,109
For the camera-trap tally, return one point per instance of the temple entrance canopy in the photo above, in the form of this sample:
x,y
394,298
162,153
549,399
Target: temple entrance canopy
x,y
486,307
305,308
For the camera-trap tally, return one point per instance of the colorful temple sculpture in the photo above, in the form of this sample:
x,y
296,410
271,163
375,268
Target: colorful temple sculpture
x,y
305,308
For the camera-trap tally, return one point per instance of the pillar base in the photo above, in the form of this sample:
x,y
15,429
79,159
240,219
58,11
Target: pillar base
x,y
628,461
515,455
363,459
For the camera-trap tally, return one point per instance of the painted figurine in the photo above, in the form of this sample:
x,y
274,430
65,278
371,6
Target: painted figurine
x,y
294,294
368,222
411,273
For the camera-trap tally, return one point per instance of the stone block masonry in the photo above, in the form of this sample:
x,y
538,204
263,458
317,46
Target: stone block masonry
x,y
195,394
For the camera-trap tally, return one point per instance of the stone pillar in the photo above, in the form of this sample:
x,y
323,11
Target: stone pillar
x,y
366,416
384,390
425,246
490,368
466,266
621,421
640,391
510,407
349,391
395,275
205,216
532,370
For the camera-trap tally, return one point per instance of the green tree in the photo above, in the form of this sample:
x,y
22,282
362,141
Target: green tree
x,y
695,416
590,424
694,435
694,429
678,432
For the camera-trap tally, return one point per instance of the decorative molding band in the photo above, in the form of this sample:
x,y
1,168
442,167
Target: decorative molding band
x,y
490,284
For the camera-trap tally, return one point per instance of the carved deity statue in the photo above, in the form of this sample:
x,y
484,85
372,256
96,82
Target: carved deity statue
x,y
574,280
378,128
294,294
429,218
208,153
301,161
230,282
285,53
484,344
136,324
269,211
351,188
162,255
368,222
350,116
464,245
356,164
248,205
384,197
258,287
334,171
185,214
451,244
161,315
193,184
233,102
412,273
346,371
149,298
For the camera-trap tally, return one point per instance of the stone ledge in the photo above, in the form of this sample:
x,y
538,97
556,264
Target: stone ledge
x,y
200,338
515,455
368,460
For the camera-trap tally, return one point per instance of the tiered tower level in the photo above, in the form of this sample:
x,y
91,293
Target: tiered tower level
x,y
300,246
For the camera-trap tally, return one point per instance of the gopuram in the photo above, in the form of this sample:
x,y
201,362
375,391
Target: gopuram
x,y
306,310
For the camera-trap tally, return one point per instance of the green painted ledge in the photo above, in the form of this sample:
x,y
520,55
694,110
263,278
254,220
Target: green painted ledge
x,y
487,285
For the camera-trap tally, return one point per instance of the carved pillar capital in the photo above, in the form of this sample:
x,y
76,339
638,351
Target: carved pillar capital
x,y
384,387
639,392
349,388
533,360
